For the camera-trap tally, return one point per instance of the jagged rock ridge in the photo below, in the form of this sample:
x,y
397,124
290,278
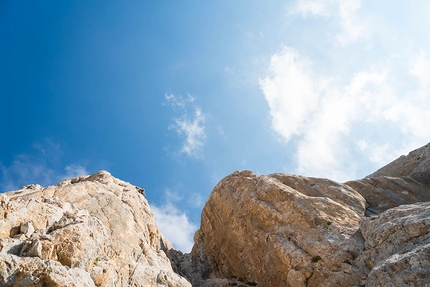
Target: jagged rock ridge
x,y
270,230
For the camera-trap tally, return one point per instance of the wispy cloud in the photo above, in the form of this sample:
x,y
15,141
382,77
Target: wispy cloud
x,y
24,169
190,128
325,117
42,166
196,200
74,170
311,7
351,27
178,101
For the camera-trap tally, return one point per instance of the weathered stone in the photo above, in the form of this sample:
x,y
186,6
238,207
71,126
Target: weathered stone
x,y
272,230
97,230
398,246
286,230
403,181
417,161
26,228
278,229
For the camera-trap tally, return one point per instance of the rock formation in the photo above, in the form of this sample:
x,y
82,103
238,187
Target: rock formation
x,y
397,246
405,180
298,231
87,231
256,230
286,230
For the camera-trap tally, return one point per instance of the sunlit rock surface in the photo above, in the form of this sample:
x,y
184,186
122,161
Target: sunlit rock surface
x,y
87,231
256,230
298,231
286,230
397,246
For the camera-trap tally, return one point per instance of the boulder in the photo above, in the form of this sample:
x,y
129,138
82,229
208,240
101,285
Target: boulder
x,y
280,230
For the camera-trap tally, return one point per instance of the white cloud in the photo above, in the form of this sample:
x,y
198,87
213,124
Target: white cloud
x,y
410,112
191,129
370,94
319,151
175,226
420,68
380,154
412,118
289,74
312,7
49,150
351,27
325,118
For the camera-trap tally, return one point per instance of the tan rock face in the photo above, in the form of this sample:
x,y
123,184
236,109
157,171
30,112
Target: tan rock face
x,y
417,161
398,246
262,230
273,230
88,231
285,230
405,180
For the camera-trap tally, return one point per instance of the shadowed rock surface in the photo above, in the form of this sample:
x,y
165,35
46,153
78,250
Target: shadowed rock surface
x,y
256,230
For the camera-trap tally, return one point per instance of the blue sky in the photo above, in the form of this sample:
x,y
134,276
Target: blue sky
x,y
174,95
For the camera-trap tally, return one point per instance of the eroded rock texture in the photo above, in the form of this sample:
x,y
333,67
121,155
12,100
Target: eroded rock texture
x,y
405,180
298,231
270,230
398,246
286,230
87,231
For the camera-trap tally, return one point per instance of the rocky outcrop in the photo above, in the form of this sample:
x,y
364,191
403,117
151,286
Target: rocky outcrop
x,y
299,231
256,230
405,180
286,230
415,163
397,246
87,231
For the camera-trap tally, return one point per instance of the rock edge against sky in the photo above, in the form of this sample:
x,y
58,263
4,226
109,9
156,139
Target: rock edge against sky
x,y
268,230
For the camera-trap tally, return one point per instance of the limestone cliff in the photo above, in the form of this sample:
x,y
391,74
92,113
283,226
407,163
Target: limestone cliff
x,y
87,231
256,230
286,230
